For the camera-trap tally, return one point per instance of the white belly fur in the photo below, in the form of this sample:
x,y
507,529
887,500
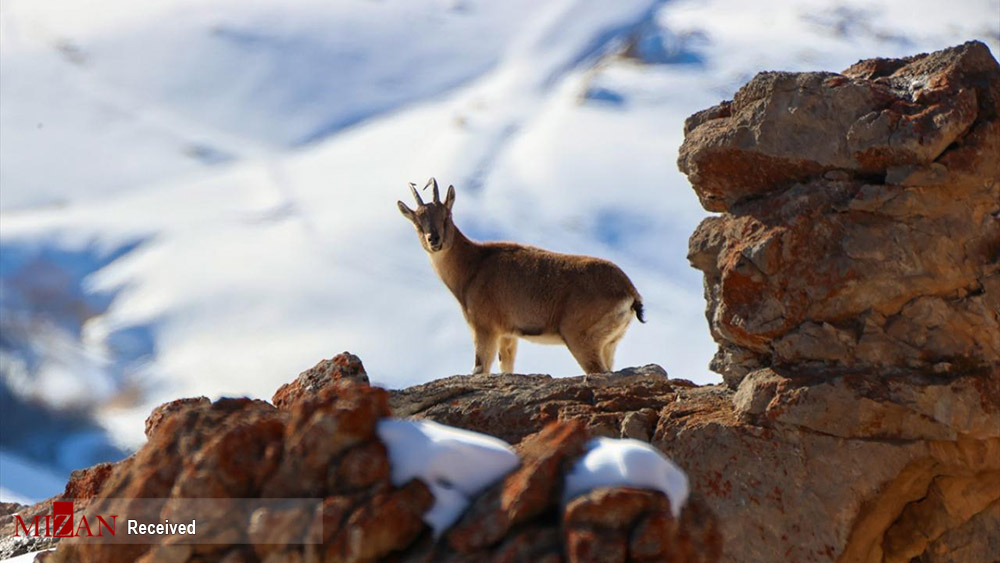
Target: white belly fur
x,y
614,323
543,338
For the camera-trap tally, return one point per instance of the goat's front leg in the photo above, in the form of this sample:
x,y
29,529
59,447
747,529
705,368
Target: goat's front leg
x,y
487,344
508,349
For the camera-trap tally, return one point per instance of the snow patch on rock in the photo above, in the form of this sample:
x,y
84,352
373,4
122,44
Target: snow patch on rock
x,y
627,463
455,464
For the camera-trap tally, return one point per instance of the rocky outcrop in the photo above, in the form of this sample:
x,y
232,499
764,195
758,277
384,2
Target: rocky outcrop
x,y
861,224
322,444
829,469
512,406
342,367
805,468
853,286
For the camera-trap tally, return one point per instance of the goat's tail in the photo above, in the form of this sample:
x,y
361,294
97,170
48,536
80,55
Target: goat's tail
x,y
637,307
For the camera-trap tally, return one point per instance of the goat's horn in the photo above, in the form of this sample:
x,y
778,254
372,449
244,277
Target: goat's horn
x,y
413,188
437,196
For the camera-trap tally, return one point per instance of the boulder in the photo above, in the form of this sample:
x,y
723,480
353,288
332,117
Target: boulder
x,y
853,286
861,224
342,367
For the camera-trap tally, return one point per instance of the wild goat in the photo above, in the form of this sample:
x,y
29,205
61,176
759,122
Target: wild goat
x,y
509,290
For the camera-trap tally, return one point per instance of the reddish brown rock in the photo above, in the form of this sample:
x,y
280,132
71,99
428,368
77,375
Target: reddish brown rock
x,y
360,467
165,410
270,531
241,448
861,227
613,508
782,480
651,538
587,545
323,446
698,534
342,367
85,484
853,286
529,491
830,477
320,430
638,525
389,522
783,128
8,508
82,487
893,407
538,543
512,406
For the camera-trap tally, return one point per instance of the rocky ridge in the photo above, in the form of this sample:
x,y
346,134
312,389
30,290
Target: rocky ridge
x,y
318,440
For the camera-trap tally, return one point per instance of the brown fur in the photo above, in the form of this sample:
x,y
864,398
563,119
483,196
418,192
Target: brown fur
x,y
508,290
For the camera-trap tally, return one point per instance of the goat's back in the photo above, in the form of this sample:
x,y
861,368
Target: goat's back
x,y
528,289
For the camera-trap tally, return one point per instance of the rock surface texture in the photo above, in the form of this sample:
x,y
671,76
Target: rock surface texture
x,y
853,286
320,442
860,225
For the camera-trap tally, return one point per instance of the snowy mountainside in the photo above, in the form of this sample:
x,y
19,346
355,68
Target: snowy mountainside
x,y
199,197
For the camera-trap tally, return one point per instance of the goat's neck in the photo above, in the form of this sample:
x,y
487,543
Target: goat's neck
x,y
456,265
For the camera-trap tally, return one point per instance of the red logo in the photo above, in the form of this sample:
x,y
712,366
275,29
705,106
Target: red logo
x,y
60,524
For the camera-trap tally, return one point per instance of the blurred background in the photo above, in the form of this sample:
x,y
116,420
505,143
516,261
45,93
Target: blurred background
x,y
198,197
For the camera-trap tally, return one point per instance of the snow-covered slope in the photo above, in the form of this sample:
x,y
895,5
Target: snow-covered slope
x,y
132,94
198,197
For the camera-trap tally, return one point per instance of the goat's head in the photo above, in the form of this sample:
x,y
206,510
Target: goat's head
x,y
432,220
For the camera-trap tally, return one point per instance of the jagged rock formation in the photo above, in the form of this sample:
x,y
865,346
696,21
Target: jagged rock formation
x,y
345,366
512,406
853,286
797,469
860,226
321,442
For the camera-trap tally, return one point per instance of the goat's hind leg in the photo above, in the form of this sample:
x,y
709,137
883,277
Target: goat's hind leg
x,y
609,347
586,351
608,354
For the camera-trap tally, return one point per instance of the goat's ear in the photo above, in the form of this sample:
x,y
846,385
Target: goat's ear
x,y
407,212
449,199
